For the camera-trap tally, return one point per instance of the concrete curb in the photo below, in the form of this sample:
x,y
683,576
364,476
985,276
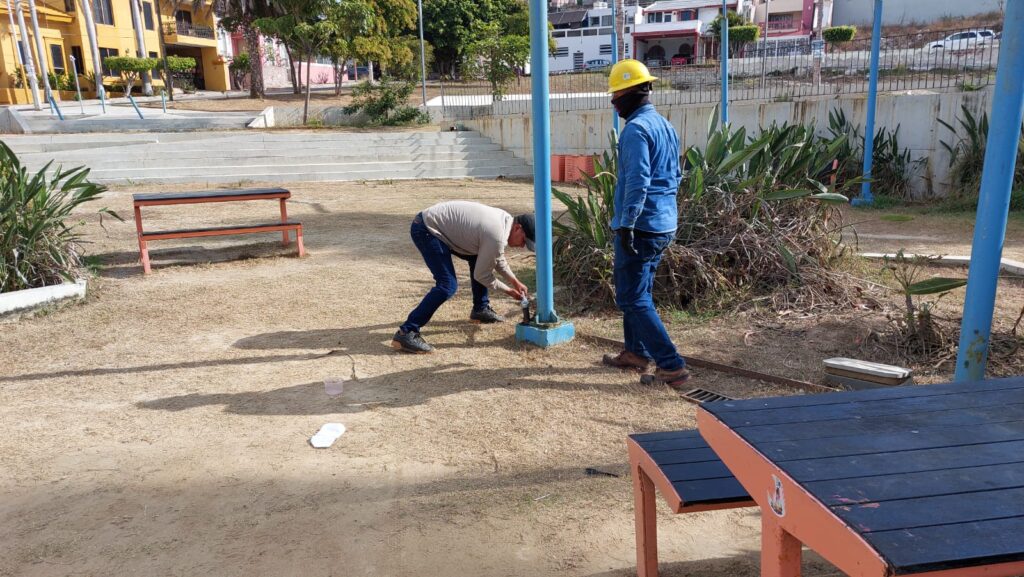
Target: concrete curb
x,y
28,299
264,120
1007,266
12,122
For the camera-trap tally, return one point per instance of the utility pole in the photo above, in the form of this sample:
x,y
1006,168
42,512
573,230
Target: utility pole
x,y
30,67
140,46
423,56
615,57
97,62
723,34
40,50
764,54
817,55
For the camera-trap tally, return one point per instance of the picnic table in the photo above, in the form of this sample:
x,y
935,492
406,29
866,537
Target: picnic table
x,y
917,480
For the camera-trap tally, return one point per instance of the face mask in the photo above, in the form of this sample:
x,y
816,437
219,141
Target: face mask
x,y
628,103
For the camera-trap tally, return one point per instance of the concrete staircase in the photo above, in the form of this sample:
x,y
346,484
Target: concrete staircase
x,y
210,158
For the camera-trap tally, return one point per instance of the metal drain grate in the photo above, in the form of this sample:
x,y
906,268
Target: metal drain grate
x,y
704,396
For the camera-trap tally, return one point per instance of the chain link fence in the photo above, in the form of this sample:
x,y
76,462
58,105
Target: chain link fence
x,y
776,70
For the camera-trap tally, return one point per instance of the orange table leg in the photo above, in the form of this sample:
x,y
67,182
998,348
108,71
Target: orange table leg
x,y
284,219
143,248
780,551
298,239
646,524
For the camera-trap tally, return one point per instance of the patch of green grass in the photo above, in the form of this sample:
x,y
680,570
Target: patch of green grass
x,y
896,217
528,276
92,264
683,316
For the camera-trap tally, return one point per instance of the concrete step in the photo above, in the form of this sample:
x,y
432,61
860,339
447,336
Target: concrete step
x,y
381,170
237,148
448,173
127,125
199,162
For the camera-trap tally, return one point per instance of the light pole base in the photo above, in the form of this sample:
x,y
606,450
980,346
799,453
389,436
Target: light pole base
x,y
545,335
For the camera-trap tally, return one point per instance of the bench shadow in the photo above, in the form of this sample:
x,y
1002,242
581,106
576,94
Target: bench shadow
x,y
393,390
125,264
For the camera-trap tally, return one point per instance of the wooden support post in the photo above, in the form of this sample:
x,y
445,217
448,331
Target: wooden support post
x,y
780,551
143,249
646,524
284,219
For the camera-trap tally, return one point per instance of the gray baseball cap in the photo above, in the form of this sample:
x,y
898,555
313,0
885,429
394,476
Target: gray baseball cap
x,y
529,227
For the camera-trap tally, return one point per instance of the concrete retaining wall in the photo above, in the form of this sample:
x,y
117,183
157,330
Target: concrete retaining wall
x,y
896,12
917,114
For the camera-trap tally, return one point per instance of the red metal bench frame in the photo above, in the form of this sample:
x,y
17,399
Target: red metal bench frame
x,y
281,195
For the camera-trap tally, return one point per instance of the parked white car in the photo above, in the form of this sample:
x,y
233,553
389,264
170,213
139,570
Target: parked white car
x,y
964,40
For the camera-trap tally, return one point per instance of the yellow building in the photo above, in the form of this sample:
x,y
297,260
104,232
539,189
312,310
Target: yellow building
x,y
64,33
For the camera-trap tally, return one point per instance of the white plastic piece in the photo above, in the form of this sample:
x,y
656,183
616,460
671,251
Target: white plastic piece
x,y
327,434
334,386
868,368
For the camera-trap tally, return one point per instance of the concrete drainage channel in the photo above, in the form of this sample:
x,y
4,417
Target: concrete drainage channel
x,y
30,300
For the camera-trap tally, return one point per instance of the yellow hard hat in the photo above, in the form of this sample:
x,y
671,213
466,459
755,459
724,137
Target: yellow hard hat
x,y
628,73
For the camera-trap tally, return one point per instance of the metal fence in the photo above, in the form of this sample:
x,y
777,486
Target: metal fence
x,y
766,70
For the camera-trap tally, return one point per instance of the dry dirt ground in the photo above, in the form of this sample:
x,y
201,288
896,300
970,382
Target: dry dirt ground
x,y
161,427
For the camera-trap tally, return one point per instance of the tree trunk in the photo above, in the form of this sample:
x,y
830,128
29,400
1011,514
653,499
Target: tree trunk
x,y
296,85
309,85
168,79
339,71
252,40
369,70
140,45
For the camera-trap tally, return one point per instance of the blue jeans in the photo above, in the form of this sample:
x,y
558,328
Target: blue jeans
x,y
438,257
645,335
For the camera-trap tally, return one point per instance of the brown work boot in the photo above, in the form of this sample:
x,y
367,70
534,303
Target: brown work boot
x,y
674,379
627,361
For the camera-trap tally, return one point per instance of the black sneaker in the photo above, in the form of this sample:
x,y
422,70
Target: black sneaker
x,y
410,342
486,316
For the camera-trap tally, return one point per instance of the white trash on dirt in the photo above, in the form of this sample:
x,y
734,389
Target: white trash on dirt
x,y
327,434
334,386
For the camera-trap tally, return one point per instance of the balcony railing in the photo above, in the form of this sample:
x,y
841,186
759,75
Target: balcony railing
x,y
782,25
187,29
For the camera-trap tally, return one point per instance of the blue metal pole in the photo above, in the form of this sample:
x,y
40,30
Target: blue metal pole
x,y
542,159
53,105
615,57
136,106
866,198
994,200
724,34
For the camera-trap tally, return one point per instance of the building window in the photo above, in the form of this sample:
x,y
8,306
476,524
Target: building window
x,y
57,56
558,34
147,15
76,59
69,5
561,52
24,54
590,32
183,17
605,49
606,20
627,30
102,12
687,15
780,22
595,21
574,33
659,17
104,54
668,17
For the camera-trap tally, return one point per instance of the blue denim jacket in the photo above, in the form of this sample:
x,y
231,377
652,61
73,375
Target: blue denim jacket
x,y
645,194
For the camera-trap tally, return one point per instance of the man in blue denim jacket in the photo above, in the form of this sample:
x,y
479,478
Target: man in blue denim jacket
x,y
644,222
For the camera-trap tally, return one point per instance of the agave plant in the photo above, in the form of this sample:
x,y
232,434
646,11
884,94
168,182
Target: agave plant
x,y
967,157
38,241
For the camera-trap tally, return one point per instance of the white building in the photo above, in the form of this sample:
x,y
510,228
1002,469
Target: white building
x,y
675,32
585,36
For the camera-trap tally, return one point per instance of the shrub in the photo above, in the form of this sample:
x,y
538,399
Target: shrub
x,y
239,69
967,159
744,34
893,167
755,219
38,243
130,68
182,68
385,103
839,34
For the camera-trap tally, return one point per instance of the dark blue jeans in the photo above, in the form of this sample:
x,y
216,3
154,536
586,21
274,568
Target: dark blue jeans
x,y
644,332
438,257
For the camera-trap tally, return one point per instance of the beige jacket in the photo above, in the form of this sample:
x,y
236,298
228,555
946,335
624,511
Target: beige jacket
x,y
471,228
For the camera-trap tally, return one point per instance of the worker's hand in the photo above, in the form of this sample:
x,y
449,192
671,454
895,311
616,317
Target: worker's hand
x,y
522,289
516,293
626,238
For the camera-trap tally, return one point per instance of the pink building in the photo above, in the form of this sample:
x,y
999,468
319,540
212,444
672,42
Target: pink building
x,y
275,64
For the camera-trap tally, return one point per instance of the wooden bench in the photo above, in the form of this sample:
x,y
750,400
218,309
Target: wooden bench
x,y
690,477
284,226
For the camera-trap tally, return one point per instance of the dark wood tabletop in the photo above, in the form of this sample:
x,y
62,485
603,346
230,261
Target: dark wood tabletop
x,y
931,477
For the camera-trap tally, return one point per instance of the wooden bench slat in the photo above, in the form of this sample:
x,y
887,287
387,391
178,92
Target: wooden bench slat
x,y
946,547
713,492
226,230
207,194
696,473
929,511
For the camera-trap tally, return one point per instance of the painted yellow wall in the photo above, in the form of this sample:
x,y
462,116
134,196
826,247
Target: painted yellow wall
x,y
68,30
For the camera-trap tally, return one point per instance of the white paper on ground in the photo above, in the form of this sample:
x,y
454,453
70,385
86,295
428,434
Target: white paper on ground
x,y
326,436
